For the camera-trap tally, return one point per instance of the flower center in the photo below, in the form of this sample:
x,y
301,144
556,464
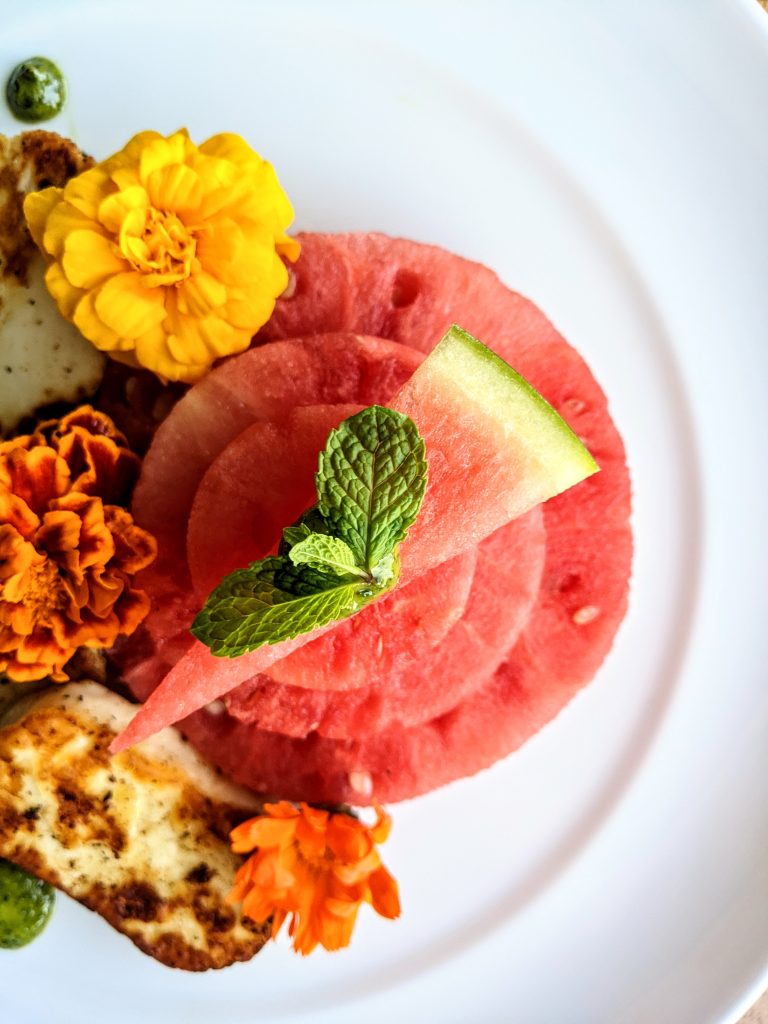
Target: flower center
x,y
44,593
163,250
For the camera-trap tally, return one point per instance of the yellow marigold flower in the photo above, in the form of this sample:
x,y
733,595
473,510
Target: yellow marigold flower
x,y
68,551
167,255
316,867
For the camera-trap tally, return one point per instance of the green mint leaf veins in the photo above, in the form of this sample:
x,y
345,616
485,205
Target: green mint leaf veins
x,y
370,482
296,534
330,554
250,608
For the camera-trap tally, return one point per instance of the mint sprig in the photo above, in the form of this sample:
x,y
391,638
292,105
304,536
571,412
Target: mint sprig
x,y
326,553
343,552
252,607
370,482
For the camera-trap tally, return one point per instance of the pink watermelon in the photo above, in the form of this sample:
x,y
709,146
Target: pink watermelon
x,y
357,653
414,688
262,385
233,523
411,292
558,651
259,385
494,451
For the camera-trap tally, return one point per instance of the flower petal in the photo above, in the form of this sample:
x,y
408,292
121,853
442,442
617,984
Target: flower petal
x,y
62,220
16,514
59,531
37,209
385,898
16,556
89,259
64,294
127,308
86,191
199,342
175,188
113,210
200,295
92,327
160,153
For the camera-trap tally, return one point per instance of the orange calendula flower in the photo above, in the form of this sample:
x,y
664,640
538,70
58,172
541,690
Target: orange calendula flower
x,y
68,551
167,255
316,867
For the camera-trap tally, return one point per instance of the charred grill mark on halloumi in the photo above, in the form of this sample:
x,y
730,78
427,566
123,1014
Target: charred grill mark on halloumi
x,y
140,837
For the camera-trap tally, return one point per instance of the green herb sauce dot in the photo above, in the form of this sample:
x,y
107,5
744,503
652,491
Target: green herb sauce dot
x,y
26,903
36,90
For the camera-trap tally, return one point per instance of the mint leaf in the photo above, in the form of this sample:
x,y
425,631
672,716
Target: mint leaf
x,y
302,580
296,534
319,551
341,554
370,482
250,608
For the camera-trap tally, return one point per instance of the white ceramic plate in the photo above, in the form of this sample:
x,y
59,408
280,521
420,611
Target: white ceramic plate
x,y
610,161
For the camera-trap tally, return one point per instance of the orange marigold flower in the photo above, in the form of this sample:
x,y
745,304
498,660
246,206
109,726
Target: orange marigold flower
x,y
316,867
68,551
167,255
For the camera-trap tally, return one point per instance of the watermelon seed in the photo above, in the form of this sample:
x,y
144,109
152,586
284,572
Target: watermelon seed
x,y
216,707
574,405
586,614
405,289
361,782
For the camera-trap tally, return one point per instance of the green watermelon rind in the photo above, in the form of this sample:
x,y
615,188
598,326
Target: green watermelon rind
x,y
478,373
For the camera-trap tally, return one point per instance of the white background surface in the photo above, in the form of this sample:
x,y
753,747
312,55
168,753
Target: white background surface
x,y
611,161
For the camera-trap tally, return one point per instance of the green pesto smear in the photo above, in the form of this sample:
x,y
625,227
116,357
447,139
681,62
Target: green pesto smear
x,y
36,90
26,903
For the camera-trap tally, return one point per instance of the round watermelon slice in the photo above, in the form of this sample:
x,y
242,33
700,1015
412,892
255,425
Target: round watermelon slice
x,y
535,681
260,385
408,292
411,293
357,653
495,450
234,522
413,688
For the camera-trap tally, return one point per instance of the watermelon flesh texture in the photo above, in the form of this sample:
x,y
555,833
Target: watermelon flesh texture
x,y
260,386
357,654
261,482
235,521
580,603
494,451
588,556
527,689
414,687
411,292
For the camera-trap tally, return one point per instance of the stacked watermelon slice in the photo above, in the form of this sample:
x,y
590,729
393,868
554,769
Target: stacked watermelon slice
x,y
455,668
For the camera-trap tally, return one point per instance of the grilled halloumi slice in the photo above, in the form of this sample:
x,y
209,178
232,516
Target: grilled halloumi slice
x,y
43,358
140,837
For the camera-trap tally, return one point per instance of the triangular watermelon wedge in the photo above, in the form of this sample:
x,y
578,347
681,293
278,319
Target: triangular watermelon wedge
x,y
495,449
